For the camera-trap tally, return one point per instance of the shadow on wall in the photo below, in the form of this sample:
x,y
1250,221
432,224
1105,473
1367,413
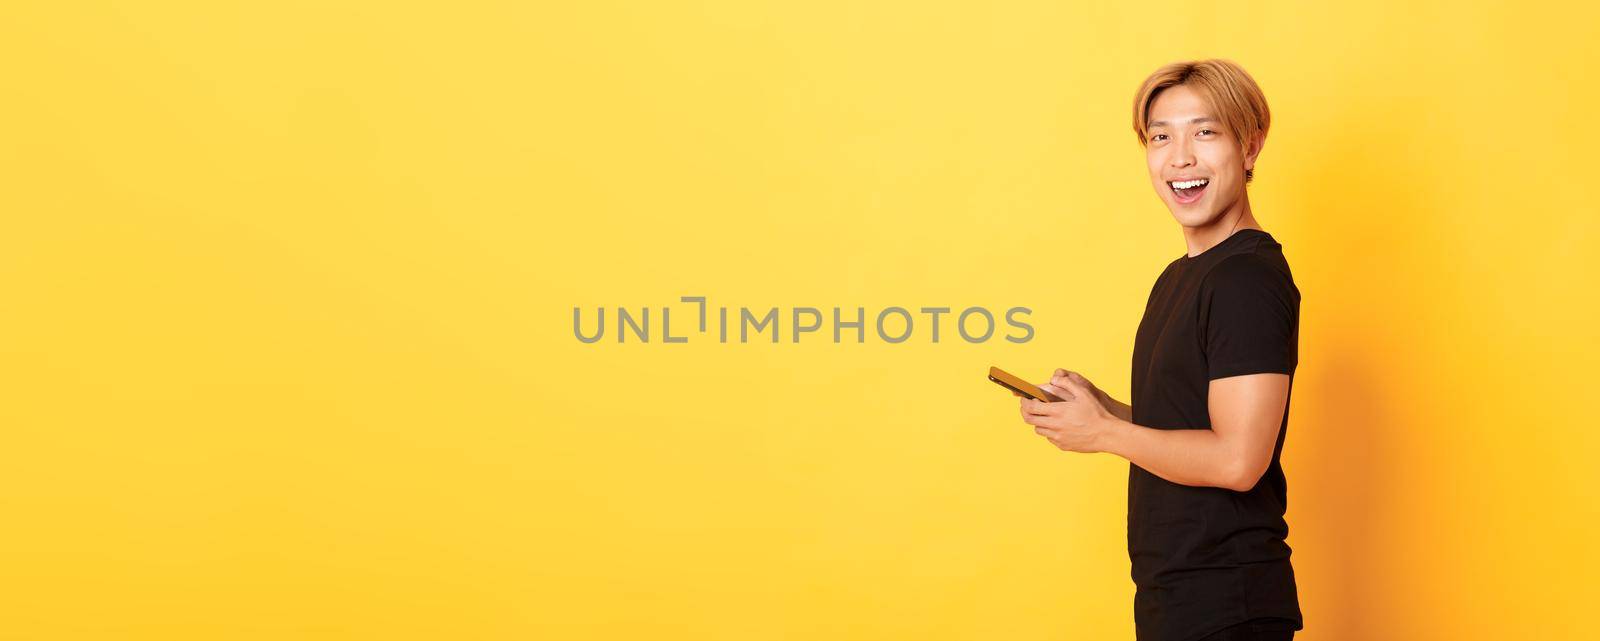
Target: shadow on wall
x,y
1344,450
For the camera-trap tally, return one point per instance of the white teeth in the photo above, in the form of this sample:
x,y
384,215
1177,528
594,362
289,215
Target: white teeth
x,y
1189,183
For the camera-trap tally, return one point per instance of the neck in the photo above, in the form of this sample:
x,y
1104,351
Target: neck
x,y
1220,228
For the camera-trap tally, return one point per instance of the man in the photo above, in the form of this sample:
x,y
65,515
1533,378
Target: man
x,y
1213,363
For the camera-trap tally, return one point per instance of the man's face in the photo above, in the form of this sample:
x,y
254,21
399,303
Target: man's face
x,y
1187,143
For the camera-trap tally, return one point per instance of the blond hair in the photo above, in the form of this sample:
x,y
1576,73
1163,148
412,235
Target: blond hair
x,y
1223,84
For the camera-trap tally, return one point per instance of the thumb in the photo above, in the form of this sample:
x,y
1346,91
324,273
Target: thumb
x,y
1079,379
1072,385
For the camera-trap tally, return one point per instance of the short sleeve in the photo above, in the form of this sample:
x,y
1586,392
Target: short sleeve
x,y
1249,318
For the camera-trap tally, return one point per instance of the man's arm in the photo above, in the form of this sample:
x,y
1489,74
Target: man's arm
x,y
1117,408
1246,414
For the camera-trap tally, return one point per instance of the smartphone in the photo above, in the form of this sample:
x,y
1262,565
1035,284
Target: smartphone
x,y
1015,384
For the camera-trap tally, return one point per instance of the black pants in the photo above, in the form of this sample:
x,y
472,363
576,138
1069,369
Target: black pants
x,y
1257,630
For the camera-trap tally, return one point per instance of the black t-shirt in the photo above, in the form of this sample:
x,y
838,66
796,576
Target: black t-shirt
x,y
1205,558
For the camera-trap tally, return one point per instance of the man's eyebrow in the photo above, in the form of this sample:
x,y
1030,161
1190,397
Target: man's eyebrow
x,y
1163,123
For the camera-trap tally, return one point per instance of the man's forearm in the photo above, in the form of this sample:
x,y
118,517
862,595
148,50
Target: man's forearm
x,y
1188,457
1117,408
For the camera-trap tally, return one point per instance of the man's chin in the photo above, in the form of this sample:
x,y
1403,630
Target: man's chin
x,y
1193,218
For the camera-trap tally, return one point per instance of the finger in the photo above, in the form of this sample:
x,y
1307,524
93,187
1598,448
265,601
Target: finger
x,y
1075,388
1057,391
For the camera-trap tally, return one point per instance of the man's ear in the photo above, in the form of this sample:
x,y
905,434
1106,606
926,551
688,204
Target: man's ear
x,y
1253,151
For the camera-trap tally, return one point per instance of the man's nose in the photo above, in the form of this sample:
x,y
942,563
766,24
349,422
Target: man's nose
x,y
1181,155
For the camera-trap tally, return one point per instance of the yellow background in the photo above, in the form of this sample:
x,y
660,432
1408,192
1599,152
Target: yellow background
x,y
288,297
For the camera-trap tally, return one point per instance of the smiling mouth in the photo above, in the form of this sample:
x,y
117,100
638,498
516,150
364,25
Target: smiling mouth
x,y
1188,191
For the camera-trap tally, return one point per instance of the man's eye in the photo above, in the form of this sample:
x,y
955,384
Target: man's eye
x,y
1153,138
1207,131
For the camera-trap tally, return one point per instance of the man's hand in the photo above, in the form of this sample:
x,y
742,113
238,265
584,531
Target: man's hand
x,y
1117,408
1075,424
